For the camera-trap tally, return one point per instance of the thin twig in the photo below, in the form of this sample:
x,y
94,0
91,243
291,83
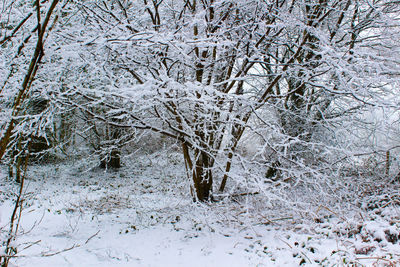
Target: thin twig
x,y
87,241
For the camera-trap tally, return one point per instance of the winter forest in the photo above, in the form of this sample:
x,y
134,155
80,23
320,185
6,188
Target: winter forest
x,y
199,133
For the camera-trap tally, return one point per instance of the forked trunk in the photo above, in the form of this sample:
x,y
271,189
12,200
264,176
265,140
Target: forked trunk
x,y
200,172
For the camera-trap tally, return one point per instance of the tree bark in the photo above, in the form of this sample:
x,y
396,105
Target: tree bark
x,y
200,172
113,161
28,79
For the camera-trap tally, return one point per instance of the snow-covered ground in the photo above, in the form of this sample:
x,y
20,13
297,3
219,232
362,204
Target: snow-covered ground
x,y
143,215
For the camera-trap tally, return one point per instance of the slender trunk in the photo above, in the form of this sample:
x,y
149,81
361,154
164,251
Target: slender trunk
x,y
28,79
237,133
10,249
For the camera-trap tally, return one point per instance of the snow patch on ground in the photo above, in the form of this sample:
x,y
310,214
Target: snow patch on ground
x,y
143,215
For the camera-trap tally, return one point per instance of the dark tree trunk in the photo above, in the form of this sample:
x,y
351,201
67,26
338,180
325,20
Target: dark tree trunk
x,y
202,177
113,161
200,172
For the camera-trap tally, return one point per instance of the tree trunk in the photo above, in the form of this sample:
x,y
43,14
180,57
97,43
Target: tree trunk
x,y
112,161
200,172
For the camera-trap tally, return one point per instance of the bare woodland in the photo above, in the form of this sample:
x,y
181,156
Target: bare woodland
x,y
260,97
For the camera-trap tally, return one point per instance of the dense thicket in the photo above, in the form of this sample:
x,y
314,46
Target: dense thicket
x,y
261,94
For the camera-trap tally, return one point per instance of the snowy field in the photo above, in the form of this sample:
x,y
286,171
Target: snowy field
x,y
143,215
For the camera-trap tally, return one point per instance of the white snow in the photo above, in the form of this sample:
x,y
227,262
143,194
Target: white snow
x,y
143,216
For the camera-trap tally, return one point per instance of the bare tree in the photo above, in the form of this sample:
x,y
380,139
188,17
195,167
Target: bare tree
x,y
201,71
38,22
